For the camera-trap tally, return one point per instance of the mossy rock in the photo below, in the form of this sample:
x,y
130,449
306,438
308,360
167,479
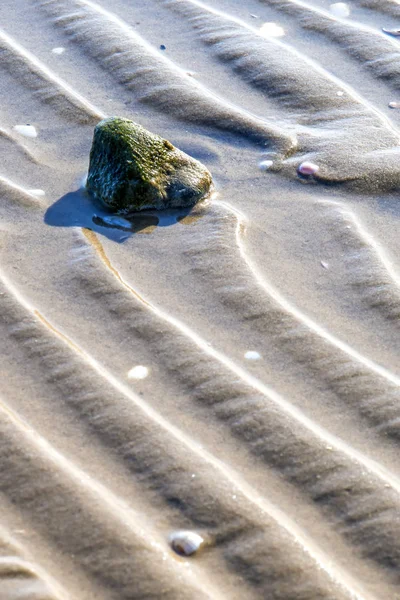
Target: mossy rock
x,y
133,169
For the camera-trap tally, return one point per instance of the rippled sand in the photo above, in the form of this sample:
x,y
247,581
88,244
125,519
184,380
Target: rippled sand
x,y
231,370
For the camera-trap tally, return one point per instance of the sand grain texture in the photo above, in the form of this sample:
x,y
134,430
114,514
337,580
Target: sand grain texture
x,y
232,369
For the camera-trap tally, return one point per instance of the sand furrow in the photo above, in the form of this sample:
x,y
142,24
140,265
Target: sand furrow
x,y
6,135
20,577
340,132
272,428
391,7
370,271
155,79
360,383
11,192
45,84
83,518
372,49
256,539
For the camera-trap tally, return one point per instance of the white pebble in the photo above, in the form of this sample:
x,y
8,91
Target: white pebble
x,y
185,543
340,9
394,104
252,355
340,93
26,130
308,168
264,165
272,30
58,50
37,192
138,372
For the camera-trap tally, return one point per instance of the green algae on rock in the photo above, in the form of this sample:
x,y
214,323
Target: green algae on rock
x,y
133,169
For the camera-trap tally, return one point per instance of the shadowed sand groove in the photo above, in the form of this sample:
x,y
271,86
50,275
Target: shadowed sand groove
x,y
18,195
339,132
281,545
373,50
370,270
355,379
391,7
16,143
153,78
20,578
279,434
103,523
46,85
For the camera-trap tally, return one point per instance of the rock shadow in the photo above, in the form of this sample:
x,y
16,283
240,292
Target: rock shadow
x,y
78,209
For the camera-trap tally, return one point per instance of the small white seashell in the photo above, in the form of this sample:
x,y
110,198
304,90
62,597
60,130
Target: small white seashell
x,y
138,372
58,50
324,264
26,130
308,168
272,30
394,104
340,93
340,9
37,192
185,543
252,355
264,165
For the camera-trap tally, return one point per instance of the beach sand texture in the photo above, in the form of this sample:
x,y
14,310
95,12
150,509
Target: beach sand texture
x,y
231,370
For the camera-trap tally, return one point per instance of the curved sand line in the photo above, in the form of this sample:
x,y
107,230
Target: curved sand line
x,y
155,79
341,133
297,314
252,381
282,437
20,577
374,50
23,149
18,195
360,383
87,492
371,271
308,546
391,7
51,87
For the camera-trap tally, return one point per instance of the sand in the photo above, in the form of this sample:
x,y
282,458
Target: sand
x,y
231,370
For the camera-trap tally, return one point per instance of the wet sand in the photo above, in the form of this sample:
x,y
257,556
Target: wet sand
x,y
231,370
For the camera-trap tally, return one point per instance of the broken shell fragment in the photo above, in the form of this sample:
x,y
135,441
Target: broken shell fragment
x,y
132,169
394,104
185,543
308,168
